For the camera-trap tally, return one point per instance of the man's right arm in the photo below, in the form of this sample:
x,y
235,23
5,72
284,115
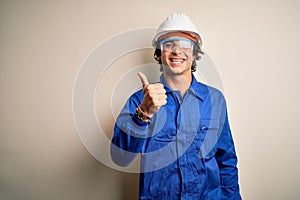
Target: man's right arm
x,y
129,133
130,128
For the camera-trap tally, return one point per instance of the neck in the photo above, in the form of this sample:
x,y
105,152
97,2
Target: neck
x,y
180,82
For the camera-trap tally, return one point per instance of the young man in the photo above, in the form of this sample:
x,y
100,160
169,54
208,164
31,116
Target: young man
x,y
179,126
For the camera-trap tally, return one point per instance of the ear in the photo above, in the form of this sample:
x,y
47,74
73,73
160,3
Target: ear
x,y
157,58
194,57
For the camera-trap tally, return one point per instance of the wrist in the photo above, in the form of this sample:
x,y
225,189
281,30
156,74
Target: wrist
x,y
141,115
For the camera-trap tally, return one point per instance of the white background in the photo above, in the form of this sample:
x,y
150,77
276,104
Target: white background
x,y
254,45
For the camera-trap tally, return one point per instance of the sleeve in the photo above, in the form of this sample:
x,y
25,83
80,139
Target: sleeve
x,y
227,162
129,134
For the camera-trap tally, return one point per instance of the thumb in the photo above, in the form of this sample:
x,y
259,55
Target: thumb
x,y
143,78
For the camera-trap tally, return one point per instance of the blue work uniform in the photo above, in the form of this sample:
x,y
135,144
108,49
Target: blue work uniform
x,y
187,150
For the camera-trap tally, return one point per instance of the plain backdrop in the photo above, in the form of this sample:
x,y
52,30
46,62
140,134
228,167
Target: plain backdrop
x,y
255,48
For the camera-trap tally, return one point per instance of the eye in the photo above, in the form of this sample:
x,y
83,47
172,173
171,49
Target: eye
x,y
185,44
168,45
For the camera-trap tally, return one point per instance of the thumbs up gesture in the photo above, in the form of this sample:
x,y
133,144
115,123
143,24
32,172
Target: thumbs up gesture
x,y
154,96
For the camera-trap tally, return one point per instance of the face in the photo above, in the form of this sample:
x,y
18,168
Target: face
x,y
177,53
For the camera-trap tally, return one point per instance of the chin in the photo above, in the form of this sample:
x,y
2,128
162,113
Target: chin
x,y
177,70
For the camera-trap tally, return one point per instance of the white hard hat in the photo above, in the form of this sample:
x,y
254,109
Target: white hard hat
x,y
177,22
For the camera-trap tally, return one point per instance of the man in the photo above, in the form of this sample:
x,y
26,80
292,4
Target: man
x,y
179,126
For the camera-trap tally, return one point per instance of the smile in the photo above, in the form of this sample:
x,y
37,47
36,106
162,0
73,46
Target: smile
x,y
177,60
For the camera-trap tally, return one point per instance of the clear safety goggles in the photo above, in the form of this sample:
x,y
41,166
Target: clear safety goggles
x,y
171,43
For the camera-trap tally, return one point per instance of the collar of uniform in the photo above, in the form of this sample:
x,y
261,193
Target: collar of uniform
x,y
196,88
166,85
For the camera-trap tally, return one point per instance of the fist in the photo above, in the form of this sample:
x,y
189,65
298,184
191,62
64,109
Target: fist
x,y
154,96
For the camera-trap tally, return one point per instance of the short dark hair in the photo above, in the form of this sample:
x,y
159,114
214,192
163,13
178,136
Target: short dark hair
x,y
197,52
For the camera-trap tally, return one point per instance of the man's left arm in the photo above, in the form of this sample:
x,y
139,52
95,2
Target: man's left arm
x,y
227,162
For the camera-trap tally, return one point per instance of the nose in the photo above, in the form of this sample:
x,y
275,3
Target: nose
x,y
176,49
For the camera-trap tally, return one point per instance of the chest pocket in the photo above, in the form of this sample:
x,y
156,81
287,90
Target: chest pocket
x,y
162,139
207,136
168,135
208,125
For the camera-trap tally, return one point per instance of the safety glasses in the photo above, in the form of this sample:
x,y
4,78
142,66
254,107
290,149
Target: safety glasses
x,y
171,43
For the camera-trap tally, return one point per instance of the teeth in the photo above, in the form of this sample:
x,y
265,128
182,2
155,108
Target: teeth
x,y
177,61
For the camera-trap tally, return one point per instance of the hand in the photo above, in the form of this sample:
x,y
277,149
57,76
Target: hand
x,y
154,96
